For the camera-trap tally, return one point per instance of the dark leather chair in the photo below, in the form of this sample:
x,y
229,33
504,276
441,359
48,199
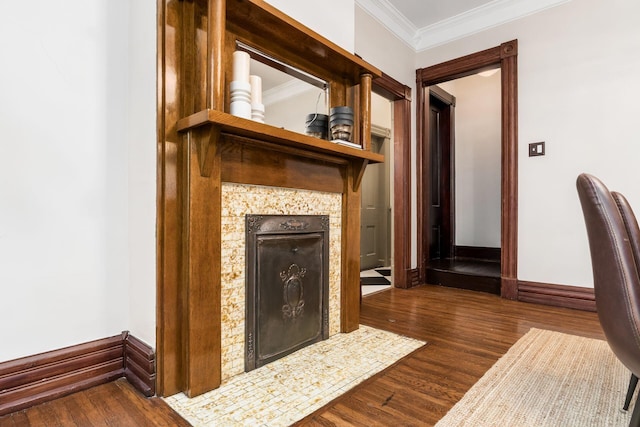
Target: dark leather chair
x,y
616,277
633,231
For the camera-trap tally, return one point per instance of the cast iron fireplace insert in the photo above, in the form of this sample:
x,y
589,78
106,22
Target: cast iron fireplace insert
x,y
287,285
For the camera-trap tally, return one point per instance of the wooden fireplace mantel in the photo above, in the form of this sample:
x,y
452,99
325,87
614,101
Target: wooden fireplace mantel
x,y
275,139
201,145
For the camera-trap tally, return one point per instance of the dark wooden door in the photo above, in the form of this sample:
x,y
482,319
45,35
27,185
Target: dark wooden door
x,y
441,194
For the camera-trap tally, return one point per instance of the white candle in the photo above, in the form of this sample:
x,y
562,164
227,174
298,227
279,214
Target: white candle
x,y
256,89
241,66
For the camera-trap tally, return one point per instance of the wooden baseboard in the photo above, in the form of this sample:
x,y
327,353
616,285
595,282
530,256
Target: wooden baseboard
x,y
140,365
47,376
575,297
414,277
509,288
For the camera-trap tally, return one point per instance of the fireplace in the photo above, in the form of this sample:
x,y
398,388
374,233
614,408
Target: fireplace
x,y
287,285
238,201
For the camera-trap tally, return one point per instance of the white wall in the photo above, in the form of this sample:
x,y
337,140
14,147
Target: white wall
x,y
141,141
64,264
578,86
477,159
333,19
381,112
77,218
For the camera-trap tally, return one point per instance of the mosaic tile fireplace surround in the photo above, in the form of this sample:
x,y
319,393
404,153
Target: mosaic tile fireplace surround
x,y
239,200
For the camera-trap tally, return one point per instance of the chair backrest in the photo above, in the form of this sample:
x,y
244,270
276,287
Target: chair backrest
x,y
630,224
615,273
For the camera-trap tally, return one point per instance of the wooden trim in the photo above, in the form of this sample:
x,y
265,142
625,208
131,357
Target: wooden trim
x,y
365,111
509,178
461,67
391,89
575,297
201,332
262,134
442,95
216,28
402,190
414,277
478,252
140,365
350,281
168,242
505,56
47,376
400,95
422,165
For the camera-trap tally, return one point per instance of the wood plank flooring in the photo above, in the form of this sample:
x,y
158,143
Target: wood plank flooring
x,y
466,333
115,404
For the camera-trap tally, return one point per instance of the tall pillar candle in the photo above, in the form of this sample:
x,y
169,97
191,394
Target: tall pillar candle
x,y
256,89
240,88
257,107
241,66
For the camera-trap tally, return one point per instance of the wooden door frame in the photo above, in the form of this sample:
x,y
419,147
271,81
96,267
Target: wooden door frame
x,y
400,96
504,56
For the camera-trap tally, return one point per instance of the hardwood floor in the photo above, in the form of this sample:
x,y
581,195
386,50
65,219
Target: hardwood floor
x,y
466,333
115,404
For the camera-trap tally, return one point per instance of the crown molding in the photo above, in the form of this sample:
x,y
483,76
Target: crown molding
x,y
387,15
473,21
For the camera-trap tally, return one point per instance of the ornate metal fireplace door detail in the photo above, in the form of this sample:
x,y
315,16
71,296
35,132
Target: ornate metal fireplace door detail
x,y
287,285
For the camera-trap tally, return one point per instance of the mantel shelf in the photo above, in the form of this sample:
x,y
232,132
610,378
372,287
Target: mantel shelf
x,y
280,33
259,132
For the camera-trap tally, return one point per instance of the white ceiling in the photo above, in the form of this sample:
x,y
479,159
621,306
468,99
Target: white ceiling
x,y
422,13
423,24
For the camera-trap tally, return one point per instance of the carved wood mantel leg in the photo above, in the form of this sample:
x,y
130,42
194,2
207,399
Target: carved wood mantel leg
x,y
201,261
350,291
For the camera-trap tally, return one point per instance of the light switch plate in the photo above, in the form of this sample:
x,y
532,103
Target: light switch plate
x,y
536,149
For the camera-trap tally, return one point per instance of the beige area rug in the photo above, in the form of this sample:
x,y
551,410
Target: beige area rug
x,y
548,379
291,388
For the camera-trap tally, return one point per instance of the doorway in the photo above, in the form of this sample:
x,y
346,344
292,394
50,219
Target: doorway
x,y
464,151
375,208
503,57
375,238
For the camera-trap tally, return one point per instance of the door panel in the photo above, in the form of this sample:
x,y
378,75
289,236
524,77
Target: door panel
x,y
374,212
441,179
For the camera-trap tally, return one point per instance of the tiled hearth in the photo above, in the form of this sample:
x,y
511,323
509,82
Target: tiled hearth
x,y
239,200
290,388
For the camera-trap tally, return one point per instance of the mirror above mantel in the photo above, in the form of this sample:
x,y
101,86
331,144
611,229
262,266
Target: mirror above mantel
x,y
288,94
